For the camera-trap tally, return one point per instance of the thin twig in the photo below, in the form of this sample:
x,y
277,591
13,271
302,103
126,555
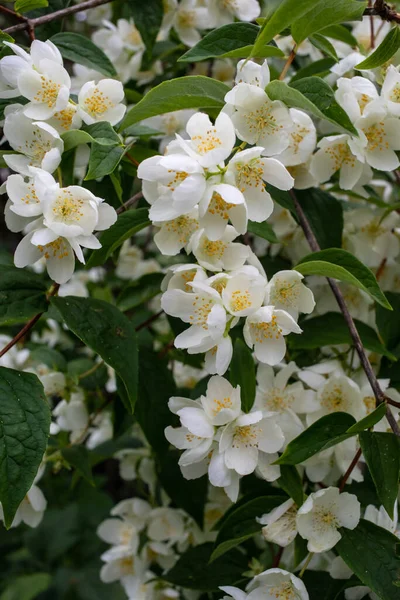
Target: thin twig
x,y
58,14
308,560
28,326
11,13
289,61
393,402
366,365
371,26
349,471
149,321
129,203
277,558
384,11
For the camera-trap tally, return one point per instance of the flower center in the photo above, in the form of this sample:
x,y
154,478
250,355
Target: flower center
x,y
249,175
334,399
202,306
207,142
341,155
219,207
221,404
48,92
178,177
97,103
240,300
395,93
246,436
215,249
183,227
56,249
376,137
186,18
285,591
266,331
262,120
68,208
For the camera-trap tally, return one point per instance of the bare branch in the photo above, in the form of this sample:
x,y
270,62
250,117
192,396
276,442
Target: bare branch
x,y
384,11
129,203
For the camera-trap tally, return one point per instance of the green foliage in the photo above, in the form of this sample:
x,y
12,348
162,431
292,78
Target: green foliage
x,y
384,52
186,92
263,230
325,215
78,457
108,332
24,429
291,482
243,373
382,455
320,42
148,17
22,295
138,292
340,264
378,567
83,51
27,587
23,6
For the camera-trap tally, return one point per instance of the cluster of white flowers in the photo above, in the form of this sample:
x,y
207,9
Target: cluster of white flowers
x,y
58,221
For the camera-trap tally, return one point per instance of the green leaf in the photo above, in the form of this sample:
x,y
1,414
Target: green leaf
x,y
108,332
78,457
320,42
389,324
291,482
331,329
370,552
194,571
103,160
103,133
319,68
241,523
263,230
22,295
285,14
80,49
27,587
75,137
23,6
140,291
235,39
243,373
341,33
340,264
24,429
324,433
382,455
325,215
127,224
370,420
194,91
313,95
384,51
327,11
148,17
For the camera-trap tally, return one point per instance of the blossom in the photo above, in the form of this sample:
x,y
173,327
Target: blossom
x,y
280,524
224,12
216,255
265,330
302,139
250,72
222,203
32,507
259,120
277,583
249,171
391,91
337,153
221,402
286,291
101,101
354,95
114,39
379,138
319,518
176,234
244,291
339,394
188,19
208,144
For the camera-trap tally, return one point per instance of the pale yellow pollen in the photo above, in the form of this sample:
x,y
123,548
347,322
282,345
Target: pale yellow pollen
x,y
133,37
183,227
374,228
188,277
286,293
341,155
56,249
218,207
221,404
37,147
67,207
369,402
363,100
262,120
97,103
324,518
246,436
266,331
171,124
48,92
126,565
285,591
376,137
334,399
208,141
30,196
178,177
202,306
65,117
277,400
215,249
240,300
395,93
219,285
298,136
186,18
250,175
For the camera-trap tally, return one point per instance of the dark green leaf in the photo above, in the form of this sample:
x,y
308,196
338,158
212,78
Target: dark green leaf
x,y
78,457
148,17
175,94
194,571
27,587
389,324
320,42
319,67
243,373
341,33
108,332
370,420
263,230
384,51
80,49
140,291
382,455
128,223
324,433
325,215
22,295
370,552
241,523
235,39
103,160
331,329
316,581
103,133
340,264
291,482
24,429
23,6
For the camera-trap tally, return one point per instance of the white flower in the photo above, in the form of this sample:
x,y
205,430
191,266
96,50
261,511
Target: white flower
x,y
216,255
121,565
32,507
102,430
286,291
354,95
265,330
172,184
71,416
280,524
244,291
337,154
222,401
179,277
23,199
101,101
233,592
166,524
168,125
66,119
218,358
249,172
277,584
339,394
40,77
221,203
379,138
253,73
243,439
208,144
188,18
259,120
202,309
302,139
176,234
223,12
323,513
39,144
391,90
114,39
371,235
362,32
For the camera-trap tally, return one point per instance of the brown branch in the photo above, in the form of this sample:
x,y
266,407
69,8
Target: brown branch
x,y
28,325
349,471
384,11
366,365
11,13
129,203
289,61
149,321
372,27
30,24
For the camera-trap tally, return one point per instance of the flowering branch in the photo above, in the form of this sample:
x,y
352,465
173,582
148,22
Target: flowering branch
x,y
384,11
30,24
366,365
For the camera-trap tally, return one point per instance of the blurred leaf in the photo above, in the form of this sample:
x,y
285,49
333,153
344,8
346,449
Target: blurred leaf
x,y
81,50
78,457
291,482
140,291
243,373
147,17
23,6
22,295
263,230
27,587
